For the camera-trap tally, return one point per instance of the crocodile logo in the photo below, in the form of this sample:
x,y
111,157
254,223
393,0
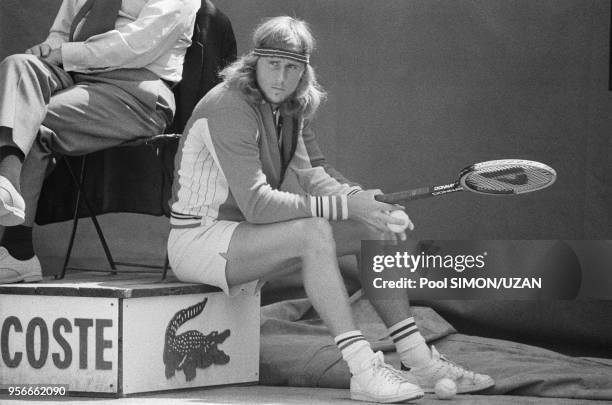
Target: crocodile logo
x,y
192,349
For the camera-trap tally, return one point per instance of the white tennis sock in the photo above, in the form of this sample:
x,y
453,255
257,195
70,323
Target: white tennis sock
x,y
355,349
410,344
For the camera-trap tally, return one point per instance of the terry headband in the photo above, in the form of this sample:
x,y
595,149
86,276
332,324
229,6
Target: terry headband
x,y
282,53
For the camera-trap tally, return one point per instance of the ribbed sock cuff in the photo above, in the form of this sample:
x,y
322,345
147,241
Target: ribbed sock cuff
x,y
355,350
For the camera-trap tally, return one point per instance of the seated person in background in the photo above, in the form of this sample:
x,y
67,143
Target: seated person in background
x,y
233,222
102,77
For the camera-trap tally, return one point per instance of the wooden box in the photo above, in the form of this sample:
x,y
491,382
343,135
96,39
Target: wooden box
x,y
127,334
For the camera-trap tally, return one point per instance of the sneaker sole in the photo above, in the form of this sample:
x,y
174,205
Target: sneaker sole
x,y
359,396
464,390
28,278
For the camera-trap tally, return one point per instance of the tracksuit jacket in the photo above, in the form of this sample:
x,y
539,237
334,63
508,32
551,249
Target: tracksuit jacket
x,y
232,166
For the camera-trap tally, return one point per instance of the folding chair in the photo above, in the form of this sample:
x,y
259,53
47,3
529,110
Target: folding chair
x,y
154,143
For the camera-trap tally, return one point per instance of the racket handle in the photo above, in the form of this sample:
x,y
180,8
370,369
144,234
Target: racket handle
x,y
417,193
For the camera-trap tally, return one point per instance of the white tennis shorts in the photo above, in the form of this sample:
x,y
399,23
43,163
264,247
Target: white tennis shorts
x,y
197,255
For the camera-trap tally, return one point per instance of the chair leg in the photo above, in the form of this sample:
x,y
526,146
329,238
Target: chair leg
x,y
166,266
169,176
75,223
80,193
82,197
107,252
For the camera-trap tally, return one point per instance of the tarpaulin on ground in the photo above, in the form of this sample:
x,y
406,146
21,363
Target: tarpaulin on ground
x,y
297,350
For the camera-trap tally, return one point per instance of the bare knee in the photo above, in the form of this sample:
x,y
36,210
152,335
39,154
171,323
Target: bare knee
x,y
316,236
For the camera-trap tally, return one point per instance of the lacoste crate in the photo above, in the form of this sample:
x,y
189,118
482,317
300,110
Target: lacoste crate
x,y
127,334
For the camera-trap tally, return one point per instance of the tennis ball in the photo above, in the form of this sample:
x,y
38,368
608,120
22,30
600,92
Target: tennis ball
x,y
397,228
445,388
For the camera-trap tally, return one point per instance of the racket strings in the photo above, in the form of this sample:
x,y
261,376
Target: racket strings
x,y
508,179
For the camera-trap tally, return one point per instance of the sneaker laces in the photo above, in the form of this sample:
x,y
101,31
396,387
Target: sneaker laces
x,y
386,371
454,367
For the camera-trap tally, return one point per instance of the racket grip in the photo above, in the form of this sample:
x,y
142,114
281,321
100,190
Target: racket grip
x,y
407,195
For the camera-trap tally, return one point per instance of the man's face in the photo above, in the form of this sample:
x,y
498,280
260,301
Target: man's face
x,y
278,77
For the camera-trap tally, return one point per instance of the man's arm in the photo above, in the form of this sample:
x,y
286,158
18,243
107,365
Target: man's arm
x,y
230,134
60,30
58,34
360,203
159,26
317,159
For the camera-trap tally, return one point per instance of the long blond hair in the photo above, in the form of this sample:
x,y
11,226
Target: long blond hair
x,y
281,33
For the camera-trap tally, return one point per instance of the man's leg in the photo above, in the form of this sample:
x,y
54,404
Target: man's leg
x,y
27,83
261,251
26,86
96,113
427,366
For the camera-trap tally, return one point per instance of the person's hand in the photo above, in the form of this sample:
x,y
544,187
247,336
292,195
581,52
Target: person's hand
x,y
44,51
364,208
40,50
54,57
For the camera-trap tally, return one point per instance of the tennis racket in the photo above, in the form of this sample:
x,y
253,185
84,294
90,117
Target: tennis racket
x,y
496,177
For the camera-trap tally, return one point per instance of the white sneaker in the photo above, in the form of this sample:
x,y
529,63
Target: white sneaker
x,y
379,382
440,367
14,271
12,205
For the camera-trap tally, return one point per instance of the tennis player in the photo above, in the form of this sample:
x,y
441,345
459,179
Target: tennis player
x,y
234,220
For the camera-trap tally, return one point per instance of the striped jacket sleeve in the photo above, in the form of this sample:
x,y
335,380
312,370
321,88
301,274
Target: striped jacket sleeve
x,y
316,181
233,132
318,159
